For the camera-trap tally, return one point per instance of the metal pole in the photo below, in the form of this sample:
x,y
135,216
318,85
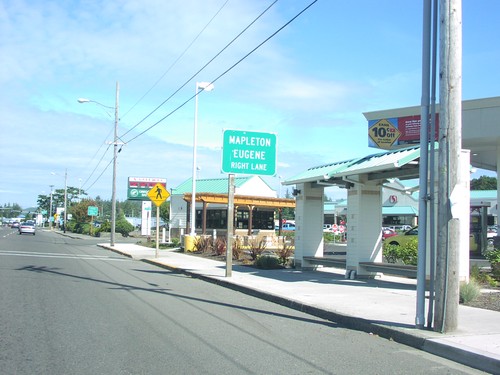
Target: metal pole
x,y
193,192
115,153
432,170
230,226
423,168
157,250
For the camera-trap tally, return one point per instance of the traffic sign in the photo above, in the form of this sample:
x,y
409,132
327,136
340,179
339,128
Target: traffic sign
x,y
158,194
92,211
384,133
246,152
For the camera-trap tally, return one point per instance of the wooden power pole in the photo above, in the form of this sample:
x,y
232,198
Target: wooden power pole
x,y
450,144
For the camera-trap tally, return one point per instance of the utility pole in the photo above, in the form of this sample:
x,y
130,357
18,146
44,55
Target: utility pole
x,y
450,142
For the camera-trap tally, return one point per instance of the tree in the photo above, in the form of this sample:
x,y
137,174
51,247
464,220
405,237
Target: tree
x,y
80,211
484,183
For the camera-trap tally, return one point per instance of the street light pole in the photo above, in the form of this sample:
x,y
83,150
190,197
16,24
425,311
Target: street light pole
x,y
115,154
204,86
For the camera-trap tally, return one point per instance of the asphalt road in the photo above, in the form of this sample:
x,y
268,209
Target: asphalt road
x,y
70,307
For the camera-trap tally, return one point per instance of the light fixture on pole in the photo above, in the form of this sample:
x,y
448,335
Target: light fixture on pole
x,y
200,86
115,154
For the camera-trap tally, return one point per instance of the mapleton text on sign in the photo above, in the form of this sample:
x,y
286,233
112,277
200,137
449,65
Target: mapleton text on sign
x,y
245,158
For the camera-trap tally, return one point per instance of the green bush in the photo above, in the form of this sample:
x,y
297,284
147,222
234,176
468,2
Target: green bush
x,y
493,256
124,227
469,292
482,277
406,254
267,262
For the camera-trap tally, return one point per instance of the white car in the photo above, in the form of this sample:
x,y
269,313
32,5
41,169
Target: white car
x,y
27,227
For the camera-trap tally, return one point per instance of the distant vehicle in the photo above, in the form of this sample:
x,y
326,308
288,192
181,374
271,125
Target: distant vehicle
x,y
27,227
403,227
14,224
388,232
328,228
403,239
288,226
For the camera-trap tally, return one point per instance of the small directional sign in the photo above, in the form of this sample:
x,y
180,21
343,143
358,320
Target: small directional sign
x,y
384,134
158,194
92,211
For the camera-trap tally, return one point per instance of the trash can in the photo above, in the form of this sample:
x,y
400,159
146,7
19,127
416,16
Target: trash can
x,y
189,242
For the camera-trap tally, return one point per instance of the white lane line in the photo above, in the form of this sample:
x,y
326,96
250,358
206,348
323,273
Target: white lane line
x,y
65,256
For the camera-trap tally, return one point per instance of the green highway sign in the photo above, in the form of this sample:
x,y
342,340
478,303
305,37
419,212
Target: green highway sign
x,y
92,211
138,187
245,152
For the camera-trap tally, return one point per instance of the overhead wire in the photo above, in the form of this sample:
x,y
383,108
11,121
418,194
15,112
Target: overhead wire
x,y
177,59
219,76
145,94
213,81
202,68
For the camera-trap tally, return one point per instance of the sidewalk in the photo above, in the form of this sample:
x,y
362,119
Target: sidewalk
x,y
385,306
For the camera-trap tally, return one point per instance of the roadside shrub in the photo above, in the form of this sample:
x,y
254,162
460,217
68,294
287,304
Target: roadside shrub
x,y
284,252
406,254
267,262
482,277
123,226
493,257
203,244
220,246
257,247
237,248
175,242
469,292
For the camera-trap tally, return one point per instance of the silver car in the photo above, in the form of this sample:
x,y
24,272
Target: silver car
x,y
27,227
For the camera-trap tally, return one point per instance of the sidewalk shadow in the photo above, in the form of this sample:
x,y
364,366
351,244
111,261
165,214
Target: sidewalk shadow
x,y
294,275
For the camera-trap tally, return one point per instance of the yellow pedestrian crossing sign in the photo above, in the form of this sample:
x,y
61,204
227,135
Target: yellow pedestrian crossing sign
x,y
158,194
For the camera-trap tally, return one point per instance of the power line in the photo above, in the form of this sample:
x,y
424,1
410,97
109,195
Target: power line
x,y
199,71
218,77
178,58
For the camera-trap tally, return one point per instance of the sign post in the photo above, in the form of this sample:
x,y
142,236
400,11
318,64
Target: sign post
x,y
158,194
92,211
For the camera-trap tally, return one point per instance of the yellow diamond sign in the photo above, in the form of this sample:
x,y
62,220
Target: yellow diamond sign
x,y
158,194
384,133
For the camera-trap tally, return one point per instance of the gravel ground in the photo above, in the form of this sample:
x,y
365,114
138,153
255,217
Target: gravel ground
x,y
489,299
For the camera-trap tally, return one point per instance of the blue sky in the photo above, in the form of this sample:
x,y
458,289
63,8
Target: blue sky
x,y
309,84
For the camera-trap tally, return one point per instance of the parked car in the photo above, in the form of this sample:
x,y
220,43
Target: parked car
x,y
388,232
403,239
406,237
288,226
27,227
